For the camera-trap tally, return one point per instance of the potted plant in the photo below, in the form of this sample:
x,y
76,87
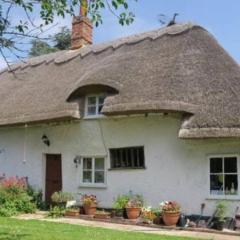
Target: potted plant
x,y
72,211
221,210
119,205
102,215
89,204
170,213
60,198
148,215
134,206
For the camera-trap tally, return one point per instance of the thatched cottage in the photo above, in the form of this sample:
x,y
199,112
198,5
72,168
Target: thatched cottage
x,y
155,113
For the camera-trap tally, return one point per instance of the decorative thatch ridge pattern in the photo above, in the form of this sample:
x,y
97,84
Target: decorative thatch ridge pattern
x,y
181,68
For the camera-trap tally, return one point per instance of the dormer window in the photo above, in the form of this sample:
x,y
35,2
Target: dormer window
x,y
94,105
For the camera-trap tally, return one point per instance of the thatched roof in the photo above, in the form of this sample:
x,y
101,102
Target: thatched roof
x,y
181,68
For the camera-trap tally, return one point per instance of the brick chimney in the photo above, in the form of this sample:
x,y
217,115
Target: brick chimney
x,y
81,30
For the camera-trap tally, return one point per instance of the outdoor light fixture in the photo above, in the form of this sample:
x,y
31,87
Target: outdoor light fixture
x,y
77,161
45,140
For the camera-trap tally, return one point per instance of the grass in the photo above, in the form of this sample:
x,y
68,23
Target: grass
x,y
12,229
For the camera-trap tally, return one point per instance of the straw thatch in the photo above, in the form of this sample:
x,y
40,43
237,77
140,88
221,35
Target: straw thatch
x,y
181,68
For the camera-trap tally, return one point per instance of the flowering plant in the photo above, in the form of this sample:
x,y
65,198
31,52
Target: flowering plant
x,y
89,199
148,214
170,207
136,201
14,182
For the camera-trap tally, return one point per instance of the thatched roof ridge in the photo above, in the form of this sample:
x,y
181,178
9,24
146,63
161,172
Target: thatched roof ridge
x,y
181,68
67,55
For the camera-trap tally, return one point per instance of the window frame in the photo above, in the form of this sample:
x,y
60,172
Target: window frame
x,y
93,184
224,196
96,115
127,168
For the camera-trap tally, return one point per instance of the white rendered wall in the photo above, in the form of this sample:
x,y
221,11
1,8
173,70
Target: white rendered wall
x,y
175,169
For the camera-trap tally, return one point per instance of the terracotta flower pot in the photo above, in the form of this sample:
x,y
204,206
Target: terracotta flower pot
x,y
170,219
72,213
90,209
102,215
133,213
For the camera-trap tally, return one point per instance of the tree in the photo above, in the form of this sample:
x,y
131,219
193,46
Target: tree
x,y
12,34
61,41
40,47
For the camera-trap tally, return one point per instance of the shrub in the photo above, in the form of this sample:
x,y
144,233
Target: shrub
x,y
56,212
14,197
221,210
61,197
36,196
121,201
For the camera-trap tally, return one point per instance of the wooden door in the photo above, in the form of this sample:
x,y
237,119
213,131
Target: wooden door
x,y
53,175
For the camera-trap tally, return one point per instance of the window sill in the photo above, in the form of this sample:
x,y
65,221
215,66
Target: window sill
x,y
89,185
227,198
93,117
126,169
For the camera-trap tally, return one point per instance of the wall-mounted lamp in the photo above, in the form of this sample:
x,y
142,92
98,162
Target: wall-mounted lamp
x,y
77,161
45,140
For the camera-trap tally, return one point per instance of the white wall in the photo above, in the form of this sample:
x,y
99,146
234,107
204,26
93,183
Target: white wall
x,y
175,169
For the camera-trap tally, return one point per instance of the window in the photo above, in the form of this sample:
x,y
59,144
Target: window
x,y
94,105
224,175
131,157
93,171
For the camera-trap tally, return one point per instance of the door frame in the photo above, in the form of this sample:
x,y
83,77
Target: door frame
x,y
44,166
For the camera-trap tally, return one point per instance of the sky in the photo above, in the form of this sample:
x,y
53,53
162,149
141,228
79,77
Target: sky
x,y
220,17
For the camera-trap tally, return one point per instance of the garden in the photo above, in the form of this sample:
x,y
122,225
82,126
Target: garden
x,y
17,197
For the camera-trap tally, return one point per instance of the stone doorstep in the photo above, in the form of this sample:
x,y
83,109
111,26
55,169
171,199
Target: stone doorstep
x,y
155,226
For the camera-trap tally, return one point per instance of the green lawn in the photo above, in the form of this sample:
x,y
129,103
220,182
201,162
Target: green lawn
x,y
11,229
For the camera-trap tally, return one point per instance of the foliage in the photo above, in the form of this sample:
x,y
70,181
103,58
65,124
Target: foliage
x,y
56,212
14,197
40,47
61,197
135,201
221,210
121,201
61,41
89,200
170,207
36,196
148,214
13,229
13,31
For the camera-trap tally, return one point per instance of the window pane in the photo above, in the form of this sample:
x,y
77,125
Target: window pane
x,y
91,100
132,157
100,108
91,110
231,184
87,176
230,165
87,163
99,177
216,165
99,163
101,100
216,184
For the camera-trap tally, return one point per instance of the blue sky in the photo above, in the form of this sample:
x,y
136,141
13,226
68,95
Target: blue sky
x,y
220,17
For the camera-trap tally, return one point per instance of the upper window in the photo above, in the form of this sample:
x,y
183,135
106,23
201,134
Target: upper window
x,y
224,175
130,157
93,171
94,105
